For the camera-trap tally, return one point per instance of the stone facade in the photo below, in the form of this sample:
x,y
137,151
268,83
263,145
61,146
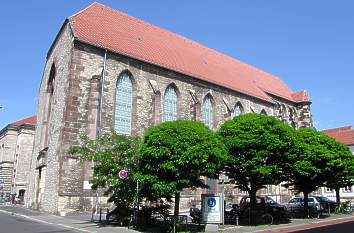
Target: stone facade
x,y
69,106
16,147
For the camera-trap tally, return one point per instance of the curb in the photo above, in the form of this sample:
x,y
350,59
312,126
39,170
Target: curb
x,y
42,221
308,226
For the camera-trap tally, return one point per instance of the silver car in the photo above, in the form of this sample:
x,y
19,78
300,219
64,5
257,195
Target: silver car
x,y
296,207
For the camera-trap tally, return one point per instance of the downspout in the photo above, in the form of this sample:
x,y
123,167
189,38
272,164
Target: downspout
x,y
99,127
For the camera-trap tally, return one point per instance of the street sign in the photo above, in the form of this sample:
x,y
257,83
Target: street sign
x,y
212,208
123,174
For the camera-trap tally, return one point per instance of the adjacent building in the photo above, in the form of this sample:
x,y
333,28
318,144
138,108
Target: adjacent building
x,y
109,71
16,145
344,135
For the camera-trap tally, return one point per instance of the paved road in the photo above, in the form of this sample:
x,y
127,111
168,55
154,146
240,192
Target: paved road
x,y
347,227
14,224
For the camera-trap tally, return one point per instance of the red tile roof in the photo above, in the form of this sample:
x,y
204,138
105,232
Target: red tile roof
x,y
344,134
29,120
301,96
115,31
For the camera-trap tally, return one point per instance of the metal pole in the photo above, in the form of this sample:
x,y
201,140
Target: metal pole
x,y
222,201
137,204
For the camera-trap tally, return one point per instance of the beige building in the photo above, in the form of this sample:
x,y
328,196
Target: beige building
x,y
109,71
16,147
343,135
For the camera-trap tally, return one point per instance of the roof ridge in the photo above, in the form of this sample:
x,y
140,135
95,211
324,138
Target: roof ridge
x,y
341,129
28,120
89,6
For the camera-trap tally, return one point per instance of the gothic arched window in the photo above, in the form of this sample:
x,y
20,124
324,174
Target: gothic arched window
x,y
123,108
170,104
208,112
237,110
263,112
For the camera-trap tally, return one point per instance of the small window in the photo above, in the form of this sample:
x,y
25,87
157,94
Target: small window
x,y
347,189
263,112
170,104
329,190
208,112
237,110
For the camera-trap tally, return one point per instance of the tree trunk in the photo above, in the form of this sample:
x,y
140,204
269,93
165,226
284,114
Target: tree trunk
x,y
337,195
177,197
306,204
253,202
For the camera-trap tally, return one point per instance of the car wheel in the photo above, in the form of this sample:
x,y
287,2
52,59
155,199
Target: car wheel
x,y
267,219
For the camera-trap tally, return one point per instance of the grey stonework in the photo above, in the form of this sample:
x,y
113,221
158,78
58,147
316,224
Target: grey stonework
x,y
76,104
16,145
60,55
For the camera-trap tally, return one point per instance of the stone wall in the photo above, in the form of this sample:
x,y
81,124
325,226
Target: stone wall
x,y
8,140
76,111
24,150
150,83
59,57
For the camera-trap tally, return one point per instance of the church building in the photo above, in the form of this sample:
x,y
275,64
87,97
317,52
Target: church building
x,y
109,71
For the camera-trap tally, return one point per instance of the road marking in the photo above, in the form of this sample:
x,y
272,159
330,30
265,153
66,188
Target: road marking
x,y
44,222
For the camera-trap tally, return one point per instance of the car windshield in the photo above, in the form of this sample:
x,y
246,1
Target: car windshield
x,y
324,198
311,199
270,201
248,200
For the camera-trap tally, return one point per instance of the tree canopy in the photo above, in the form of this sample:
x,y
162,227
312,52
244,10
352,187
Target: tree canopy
x,y
112,153
258,146
176,154
341,173
315,158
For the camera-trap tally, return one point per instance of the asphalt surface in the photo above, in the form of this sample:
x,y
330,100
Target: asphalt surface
x,y
15,224
347,227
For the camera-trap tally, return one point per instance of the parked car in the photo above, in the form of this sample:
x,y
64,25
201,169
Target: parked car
x,y
264,206
296,207
327,204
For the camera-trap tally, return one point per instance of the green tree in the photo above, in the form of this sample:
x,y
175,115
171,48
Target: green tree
x,y
258,146
175,155
112,153
312,162
342,168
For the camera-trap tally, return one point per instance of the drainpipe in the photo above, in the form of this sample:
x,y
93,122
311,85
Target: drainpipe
x,y
99,127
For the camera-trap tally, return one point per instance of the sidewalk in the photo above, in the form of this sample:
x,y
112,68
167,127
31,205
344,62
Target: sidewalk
x,y
294,226
80,223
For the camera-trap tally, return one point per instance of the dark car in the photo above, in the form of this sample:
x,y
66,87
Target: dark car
x,y
265,206
328,205
296,207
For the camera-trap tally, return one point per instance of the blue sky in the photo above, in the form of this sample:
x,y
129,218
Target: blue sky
x,y
308,44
